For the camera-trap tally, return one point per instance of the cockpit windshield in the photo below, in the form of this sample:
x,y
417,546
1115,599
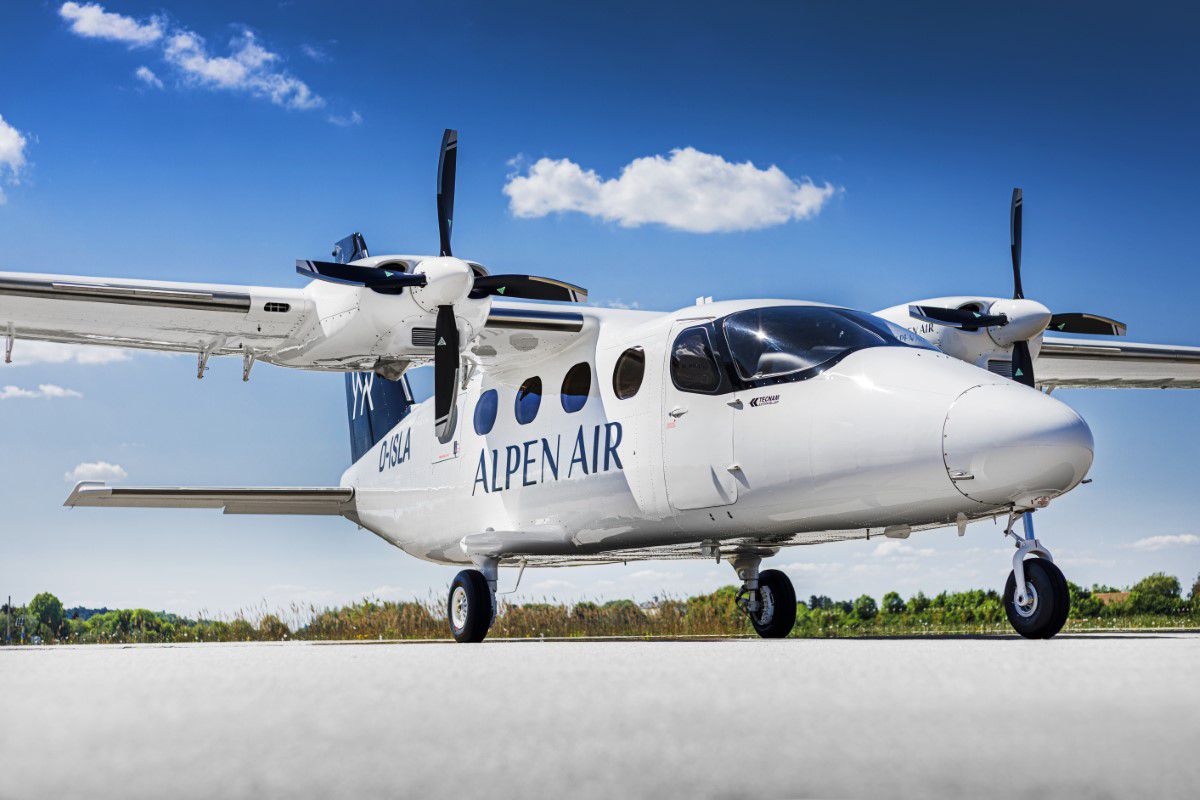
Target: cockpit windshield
x,y
769,342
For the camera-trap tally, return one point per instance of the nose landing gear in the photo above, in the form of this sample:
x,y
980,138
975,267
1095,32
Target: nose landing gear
x,y
1037,599
768,597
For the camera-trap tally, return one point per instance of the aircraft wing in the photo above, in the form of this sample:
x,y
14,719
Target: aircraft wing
x,y
332,500
156,315
1085,363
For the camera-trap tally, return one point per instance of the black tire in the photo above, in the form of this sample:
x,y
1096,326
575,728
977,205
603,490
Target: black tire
x,y
1051,604
469,606
776,615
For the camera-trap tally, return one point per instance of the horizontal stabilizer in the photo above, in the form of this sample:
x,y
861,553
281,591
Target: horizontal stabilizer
x,y
333,501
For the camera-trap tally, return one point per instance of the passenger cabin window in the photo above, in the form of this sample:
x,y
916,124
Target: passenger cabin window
x,y
575,387
628,373
693,368
485,412
529,400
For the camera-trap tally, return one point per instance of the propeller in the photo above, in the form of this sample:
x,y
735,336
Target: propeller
x,y
1019,319
441,282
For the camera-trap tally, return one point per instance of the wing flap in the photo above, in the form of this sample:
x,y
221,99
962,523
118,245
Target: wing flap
x,y
1083,363
320,500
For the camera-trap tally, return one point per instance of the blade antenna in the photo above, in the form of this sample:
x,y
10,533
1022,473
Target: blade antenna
x,y
1014,232
447,166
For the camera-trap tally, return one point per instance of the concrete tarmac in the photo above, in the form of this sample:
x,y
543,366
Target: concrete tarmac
x,y
1077,716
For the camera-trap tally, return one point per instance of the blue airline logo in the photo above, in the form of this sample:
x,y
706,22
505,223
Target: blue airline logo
x,y
543,460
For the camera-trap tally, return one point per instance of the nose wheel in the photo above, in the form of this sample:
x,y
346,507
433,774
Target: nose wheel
x,y
1037,599
767,598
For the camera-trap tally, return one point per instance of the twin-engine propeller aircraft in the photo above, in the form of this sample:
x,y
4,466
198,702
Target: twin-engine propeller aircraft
x,y
563,434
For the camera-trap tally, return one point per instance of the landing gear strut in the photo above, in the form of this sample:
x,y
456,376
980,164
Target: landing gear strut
x,y
472,603
767,597
1037,599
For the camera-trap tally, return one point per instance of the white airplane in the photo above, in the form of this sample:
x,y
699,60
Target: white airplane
x,y
564,434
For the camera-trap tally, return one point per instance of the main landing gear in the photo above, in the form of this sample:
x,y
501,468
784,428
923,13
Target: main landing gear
x,y
1036,597
472,603
767,597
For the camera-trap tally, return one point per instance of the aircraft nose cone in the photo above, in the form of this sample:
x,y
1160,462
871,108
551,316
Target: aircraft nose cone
x,y
1011,444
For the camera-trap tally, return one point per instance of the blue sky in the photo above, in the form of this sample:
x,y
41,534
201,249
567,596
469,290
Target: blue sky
x,y
259,133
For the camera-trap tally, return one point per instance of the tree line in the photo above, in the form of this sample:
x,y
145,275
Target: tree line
x,y
1155,601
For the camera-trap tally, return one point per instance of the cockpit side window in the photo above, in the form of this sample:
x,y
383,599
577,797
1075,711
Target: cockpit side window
x,y
693,367
768,343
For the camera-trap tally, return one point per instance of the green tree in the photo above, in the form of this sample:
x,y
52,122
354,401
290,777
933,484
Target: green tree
x,y
1157,594
1195,596
819,602
48,611
865,608
1083,604
919,603
893,603
272,628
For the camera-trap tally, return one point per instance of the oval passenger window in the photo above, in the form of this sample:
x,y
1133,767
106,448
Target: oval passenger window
x,y
575,387
628,373
529,400
485,412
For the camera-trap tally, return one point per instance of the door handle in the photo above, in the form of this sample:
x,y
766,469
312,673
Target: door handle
x,y
677,411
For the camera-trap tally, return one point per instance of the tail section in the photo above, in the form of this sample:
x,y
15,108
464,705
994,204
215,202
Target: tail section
x,y
374,405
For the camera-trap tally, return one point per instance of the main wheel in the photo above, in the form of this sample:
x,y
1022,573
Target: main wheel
x,y
776,614
1049,600
470,606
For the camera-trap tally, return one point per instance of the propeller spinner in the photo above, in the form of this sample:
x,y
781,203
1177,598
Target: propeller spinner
x,y
438,285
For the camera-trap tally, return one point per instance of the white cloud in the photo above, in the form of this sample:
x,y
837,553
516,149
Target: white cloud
x,y
93,22
249,68
147,76
315,53
28,352
12,154
47,391
345,122
897,549
1153,543
95,471
810,568
687,190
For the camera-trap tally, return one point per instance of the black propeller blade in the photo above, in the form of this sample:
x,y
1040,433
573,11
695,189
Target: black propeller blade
x,y
1086,323
382,280
527,287
445,370
352,248
447,166
961,318
1022,363
1014,232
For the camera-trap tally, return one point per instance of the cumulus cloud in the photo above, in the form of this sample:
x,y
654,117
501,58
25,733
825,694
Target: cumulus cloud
x,y
12,155
27,352
1153,543
90,20
345,122
688,190
248,67
48,391
95,471
147,76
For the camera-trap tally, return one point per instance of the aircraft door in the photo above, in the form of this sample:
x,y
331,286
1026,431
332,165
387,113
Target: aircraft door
x,y
697,423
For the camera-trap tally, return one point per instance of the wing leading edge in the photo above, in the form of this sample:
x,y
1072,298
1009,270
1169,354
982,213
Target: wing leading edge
x,y
1084,363
321,500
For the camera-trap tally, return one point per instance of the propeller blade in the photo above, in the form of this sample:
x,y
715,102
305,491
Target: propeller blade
x,y
528,287
447,165
1014,232
961,318
354,275
1086,323
445,370
1022,364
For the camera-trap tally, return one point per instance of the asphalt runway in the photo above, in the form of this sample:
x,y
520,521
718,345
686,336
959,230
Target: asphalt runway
x,y
1081,716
